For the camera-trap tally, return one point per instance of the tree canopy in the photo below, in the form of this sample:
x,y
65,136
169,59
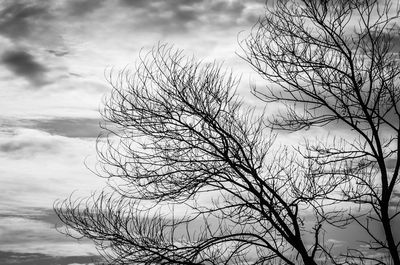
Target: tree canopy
x,y
178,133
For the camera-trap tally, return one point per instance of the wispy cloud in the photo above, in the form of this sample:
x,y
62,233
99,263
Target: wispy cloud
x,y
335,242
58,53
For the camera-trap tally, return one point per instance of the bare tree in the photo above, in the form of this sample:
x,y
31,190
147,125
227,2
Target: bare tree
x,y
336,63
179,134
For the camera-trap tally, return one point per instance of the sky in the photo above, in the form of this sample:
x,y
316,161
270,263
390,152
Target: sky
x,y
53,59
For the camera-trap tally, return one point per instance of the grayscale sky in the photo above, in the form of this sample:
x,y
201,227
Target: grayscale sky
x,y
52,61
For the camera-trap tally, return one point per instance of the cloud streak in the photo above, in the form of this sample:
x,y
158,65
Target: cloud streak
x,y
15,258
68,127
61,126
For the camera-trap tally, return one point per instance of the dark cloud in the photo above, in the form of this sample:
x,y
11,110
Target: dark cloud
x,y
135,3
25,65
167,15
185,15
69,127
391,163
75,75
182,14
18,17
388,39
58,53
393,37
83,7
14,258
147,4
234,7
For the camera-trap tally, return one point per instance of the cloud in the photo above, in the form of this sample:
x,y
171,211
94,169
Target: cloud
x,y
394,203
391,163
69,127
23,64
23,235
392,36
83,7
17,18
41,168
14,258
194,14
58,53
15,146
171,3
44,215
73,127
26,143
335,242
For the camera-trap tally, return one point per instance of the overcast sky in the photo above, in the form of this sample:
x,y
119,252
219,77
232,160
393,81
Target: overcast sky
x,y
52,61
53,57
